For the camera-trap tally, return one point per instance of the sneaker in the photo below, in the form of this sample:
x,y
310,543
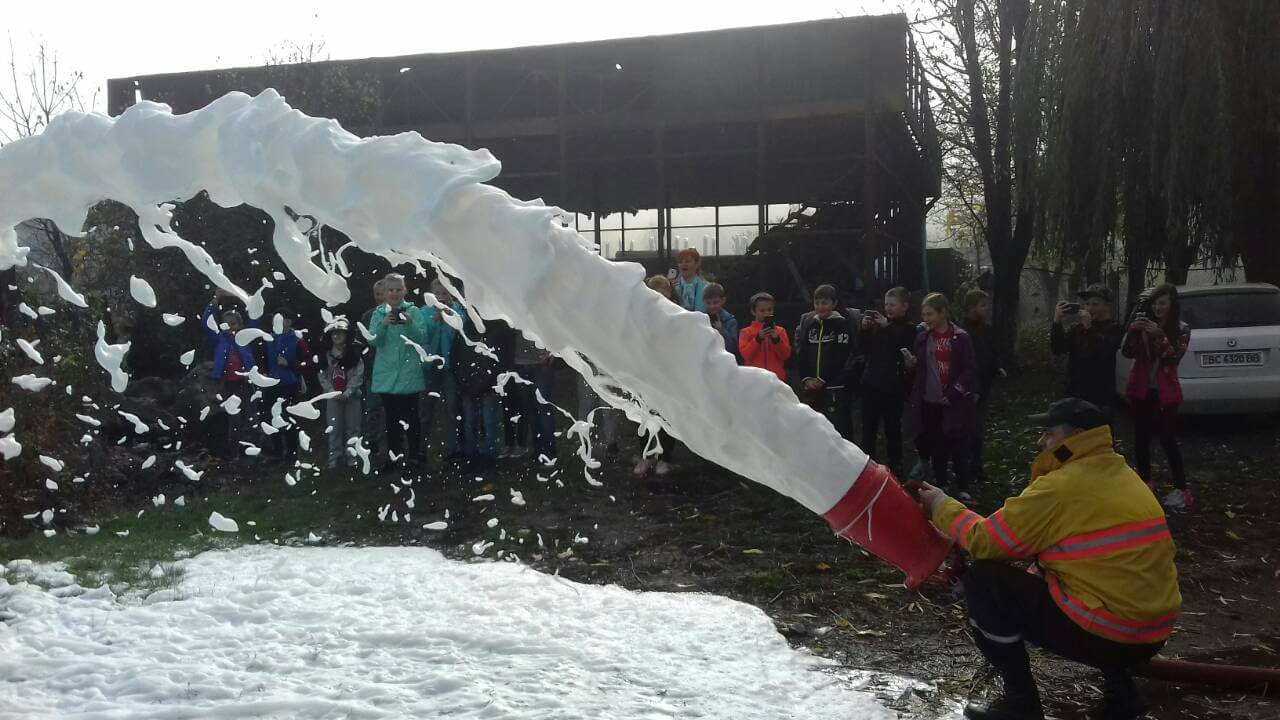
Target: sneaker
x,y
662,469
642,468
964,496
1179,500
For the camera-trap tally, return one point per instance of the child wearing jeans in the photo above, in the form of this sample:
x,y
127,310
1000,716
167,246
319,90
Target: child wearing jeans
x,y
287,358
231,362
342,370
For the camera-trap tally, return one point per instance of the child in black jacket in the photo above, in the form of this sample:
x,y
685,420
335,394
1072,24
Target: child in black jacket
x,y
823,349
887,339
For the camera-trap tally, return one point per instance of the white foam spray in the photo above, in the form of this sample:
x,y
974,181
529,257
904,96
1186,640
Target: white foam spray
x,y
412,200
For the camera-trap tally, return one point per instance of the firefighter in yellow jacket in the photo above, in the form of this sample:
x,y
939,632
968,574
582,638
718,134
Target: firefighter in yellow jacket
x,y
1102,589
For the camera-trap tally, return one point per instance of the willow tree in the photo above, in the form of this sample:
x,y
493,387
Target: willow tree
x,y
1165,148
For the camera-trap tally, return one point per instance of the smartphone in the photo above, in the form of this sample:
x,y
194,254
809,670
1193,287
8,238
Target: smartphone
x,y
768,323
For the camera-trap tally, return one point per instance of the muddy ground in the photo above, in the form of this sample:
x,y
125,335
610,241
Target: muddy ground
x,y
705,530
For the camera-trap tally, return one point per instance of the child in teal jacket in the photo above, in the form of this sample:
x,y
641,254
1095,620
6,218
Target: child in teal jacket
x,y
397,367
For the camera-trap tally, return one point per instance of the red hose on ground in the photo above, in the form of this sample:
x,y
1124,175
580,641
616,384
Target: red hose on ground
x,y
1263,681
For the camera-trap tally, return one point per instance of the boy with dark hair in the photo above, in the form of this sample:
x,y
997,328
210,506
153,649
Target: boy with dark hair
x,y
977,322
762,343
887,339
823,344
713,298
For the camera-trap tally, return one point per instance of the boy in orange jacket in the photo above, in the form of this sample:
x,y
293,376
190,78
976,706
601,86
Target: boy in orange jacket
x,y
763,344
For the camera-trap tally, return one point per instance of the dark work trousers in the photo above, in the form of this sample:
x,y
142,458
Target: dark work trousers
x,y
877,407
979,437
833,404
1009,607
1151,419
403,408
943,449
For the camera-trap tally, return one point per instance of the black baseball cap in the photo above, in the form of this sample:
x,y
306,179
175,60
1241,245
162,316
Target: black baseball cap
x,y
1074,412
1095,290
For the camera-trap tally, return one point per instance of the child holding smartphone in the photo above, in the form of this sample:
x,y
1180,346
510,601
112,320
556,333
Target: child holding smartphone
x,y
887,339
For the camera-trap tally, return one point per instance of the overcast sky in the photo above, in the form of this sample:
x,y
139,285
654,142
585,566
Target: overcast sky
x,y
105,40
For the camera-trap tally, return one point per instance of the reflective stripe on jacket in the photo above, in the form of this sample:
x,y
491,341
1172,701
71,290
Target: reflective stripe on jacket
x,y
1096,530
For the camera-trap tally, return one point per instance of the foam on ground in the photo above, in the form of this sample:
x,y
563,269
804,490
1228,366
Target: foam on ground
x,y
400,633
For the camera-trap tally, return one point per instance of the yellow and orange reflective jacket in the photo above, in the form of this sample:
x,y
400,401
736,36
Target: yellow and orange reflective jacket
x,y
1097,532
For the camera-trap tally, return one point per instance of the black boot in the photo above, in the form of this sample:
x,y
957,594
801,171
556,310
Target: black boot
x,y
1120,698
1015,703
1020,699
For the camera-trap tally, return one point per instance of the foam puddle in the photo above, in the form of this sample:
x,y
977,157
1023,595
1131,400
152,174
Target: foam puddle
x,y
411,200
397,633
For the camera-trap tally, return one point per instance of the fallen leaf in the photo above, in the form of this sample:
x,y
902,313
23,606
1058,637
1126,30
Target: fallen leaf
x,y
753,551
823,566
1231,534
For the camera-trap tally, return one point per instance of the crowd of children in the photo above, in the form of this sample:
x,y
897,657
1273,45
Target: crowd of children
x,y
405,370
934,376
392,378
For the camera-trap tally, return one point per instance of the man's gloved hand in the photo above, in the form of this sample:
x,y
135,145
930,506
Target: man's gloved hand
x,y
929,497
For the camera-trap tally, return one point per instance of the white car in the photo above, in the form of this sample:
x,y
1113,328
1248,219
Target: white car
x,y
1233,362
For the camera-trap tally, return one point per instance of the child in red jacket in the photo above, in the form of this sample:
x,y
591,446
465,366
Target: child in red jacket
x,y
762,343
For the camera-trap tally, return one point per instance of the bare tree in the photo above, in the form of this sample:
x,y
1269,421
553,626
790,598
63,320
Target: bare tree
x,y
32,94
990,63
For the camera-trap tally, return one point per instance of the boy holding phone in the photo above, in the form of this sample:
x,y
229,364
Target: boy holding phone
x,y
763,344
887,338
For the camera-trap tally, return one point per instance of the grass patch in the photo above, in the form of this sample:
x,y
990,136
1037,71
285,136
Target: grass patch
x,y
279,513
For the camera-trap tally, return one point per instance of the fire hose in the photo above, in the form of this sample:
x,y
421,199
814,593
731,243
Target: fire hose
x,y
1263,681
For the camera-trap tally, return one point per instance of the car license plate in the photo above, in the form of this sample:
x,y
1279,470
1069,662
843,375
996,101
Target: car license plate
x,y
1244,358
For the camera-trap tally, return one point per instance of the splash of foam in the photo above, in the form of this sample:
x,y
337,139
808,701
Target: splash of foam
x,y
412,200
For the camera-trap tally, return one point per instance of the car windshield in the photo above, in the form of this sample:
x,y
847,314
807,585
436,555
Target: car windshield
x,y
1227,310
